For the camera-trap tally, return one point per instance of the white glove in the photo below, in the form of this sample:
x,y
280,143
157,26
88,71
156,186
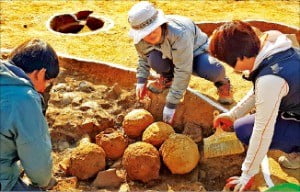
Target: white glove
x,y
168,115
140,90
242,183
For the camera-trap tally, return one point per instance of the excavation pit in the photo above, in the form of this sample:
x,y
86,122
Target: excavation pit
x,y
75,110
80,23
84,101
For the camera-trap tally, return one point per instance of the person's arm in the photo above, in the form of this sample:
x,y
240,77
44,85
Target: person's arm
x,y
182,52
269,92
143,68
226,120
33,139
244,106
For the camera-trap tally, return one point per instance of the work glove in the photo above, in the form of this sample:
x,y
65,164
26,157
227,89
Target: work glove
x,y
225,121
168,115
239,184
140,91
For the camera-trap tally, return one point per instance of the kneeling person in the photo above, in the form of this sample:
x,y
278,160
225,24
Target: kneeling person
x,y
274,67
24,131
174,47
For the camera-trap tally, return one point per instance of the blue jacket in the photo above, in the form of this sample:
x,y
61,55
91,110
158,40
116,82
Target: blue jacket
x,y
24,131
286,65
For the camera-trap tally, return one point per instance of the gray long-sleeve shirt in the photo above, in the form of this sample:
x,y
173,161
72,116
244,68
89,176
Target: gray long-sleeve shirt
x,y
181,43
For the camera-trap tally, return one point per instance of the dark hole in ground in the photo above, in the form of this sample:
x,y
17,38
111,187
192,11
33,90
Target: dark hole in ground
x,y
66,23
82,15
74,23
94,23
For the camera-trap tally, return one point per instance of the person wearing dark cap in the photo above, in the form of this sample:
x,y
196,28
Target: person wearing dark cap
x,y
174,47
24,131
274,66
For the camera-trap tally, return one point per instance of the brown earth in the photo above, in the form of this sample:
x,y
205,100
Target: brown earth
x,y
21,20
70,118
67,115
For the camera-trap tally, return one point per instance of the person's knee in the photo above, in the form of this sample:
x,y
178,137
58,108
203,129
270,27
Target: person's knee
x,y
217,70
243,131
209,68
157,63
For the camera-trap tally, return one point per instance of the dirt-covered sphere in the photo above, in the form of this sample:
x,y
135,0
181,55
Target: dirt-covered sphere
x,y
141,161
113,142
180,153
136,121
157,133
86,161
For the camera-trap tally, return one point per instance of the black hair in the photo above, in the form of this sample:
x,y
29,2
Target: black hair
x,y
36,54
164,28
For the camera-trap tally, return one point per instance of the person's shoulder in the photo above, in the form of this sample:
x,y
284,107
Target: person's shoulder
x,y
142,46
177,25
23,95
18,99
269,81
179,19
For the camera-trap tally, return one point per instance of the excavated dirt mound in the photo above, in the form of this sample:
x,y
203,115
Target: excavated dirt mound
x,y
81,105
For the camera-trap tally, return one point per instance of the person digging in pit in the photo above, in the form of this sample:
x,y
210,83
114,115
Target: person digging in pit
x,y
174,47
274,67
24,131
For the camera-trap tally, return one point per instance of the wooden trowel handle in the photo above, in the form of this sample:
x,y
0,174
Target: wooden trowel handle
x,y
219,129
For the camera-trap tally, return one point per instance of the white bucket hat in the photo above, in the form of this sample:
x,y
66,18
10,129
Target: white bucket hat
x,y
143,19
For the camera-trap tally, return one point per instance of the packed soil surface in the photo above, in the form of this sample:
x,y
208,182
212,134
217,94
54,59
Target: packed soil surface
x,y
21,20
71,112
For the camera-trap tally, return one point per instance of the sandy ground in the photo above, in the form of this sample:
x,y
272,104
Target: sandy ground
x,y
21,20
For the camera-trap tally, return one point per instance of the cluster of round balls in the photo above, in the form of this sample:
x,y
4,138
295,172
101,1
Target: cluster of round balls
x,y
142,159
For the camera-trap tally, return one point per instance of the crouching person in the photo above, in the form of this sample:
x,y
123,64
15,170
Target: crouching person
x,y
274,67
174,47
24,131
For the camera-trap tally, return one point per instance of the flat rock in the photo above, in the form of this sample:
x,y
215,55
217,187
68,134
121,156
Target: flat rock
x,y
108,178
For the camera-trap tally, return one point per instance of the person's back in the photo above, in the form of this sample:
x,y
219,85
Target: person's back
x,y
183,26
24,131
274,70
177,27
22,135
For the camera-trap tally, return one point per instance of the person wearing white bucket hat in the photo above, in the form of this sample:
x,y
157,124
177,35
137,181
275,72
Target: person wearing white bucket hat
x,y
174,47
144,19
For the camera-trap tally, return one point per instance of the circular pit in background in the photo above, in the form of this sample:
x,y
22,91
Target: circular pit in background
x,y
80,23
